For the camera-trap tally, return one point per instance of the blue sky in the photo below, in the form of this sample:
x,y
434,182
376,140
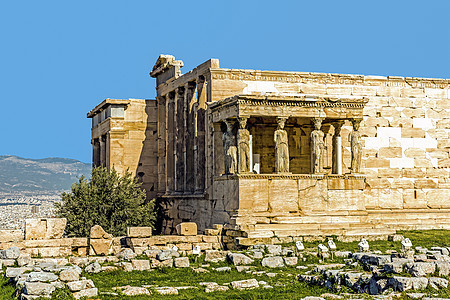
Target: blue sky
x,y
58,59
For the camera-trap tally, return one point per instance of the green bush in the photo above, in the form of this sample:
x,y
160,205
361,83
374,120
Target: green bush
x,y
107,199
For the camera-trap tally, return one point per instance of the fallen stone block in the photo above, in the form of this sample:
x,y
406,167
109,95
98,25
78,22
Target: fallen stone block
x,y
126,254
12,272
135,291
38,288
140,264
215,256
92,292
168,263
438,283
273,262
139,232
41,277
187,228
291,261
239,259
245,284
10,253
44,229
273,249
167,254
166,290
126,266
7,262
71,274
420,269
93,268
97,232
181,262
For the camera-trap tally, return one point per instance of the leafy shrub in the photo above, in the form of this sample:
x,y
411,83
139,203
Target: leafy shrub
x,y
112,201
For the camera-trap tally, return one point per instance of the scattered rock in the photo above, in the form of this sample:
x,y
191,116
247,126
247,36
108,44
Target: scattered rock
x,y
273,262
135,291
215,256
140,264
71,274
437,283
92,292
166,290
239,259
41,277
38,288
291,261
75,286
245,284
126,254
181,262
10,253
93,268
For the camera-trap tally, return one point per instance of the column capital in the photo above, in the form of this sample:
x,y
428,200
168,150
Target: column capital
x,y
337,127
356,123
242,121
180,90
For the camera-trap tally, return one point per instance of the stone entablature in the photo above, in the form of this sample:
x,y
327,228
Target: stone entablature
x,y
323,153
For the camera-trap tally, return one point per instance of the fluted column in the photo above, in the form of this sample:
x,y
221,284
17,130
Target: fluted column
x,y
102,141
179,140
189,137
170,143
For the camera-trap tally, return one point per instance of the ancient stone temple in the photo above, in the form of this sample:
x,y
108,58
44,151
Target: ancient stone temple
x,y
285,153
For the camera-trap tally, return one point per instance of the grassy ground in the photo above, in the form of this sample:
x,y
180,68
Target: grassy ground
x,y
285,283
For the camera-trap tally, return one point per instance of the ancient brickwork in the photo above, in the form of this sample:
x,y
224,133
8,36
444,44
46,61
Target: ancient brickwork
x,y
124,135
294,153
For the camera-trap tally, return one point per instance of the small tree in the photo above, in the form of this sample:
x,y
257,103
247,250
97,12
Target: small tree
x,y
107,199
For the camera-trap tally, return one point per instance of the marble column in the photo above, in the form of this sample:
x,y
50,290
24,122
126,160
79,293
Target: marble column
x,y
103,150
337,147
95,152
189,137
162,137
179,140
170,143
200,133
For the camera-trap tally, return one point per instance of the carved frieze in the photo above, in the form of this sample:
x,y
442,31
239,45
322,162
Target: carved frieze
x,y
326,78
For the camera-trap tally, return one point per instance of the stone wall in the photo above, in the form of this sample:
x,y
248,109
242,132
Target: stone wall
x,y
405,132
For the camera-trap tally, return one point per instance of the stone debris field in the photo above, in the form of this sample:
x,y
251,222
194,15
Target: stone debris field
x,y
413,270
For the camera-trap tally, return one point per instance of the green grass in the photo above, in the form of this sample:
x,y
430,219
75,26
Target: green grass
x,y
6,289
285,284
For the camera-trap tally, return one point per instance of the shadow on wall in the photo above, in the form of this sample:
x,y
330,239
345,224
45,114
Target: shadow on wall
x,y
147,167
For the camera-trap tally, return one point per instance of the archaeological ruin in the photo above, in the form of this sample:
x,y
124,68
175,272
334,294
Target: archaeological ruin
x,y
285,154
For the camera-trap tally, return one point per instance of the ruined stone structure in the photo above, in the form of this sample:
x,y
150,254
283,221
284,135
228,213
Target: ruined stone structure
x,y
285,153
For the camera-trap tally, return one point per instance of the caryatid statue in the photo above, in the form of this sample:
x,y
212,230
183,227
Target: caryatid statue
x,y
281,147
317,147
230,149
243,138
356,146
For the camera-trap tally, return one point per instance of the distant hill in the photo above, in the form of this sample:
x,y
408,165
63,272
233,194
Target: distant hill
x,y
19,174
